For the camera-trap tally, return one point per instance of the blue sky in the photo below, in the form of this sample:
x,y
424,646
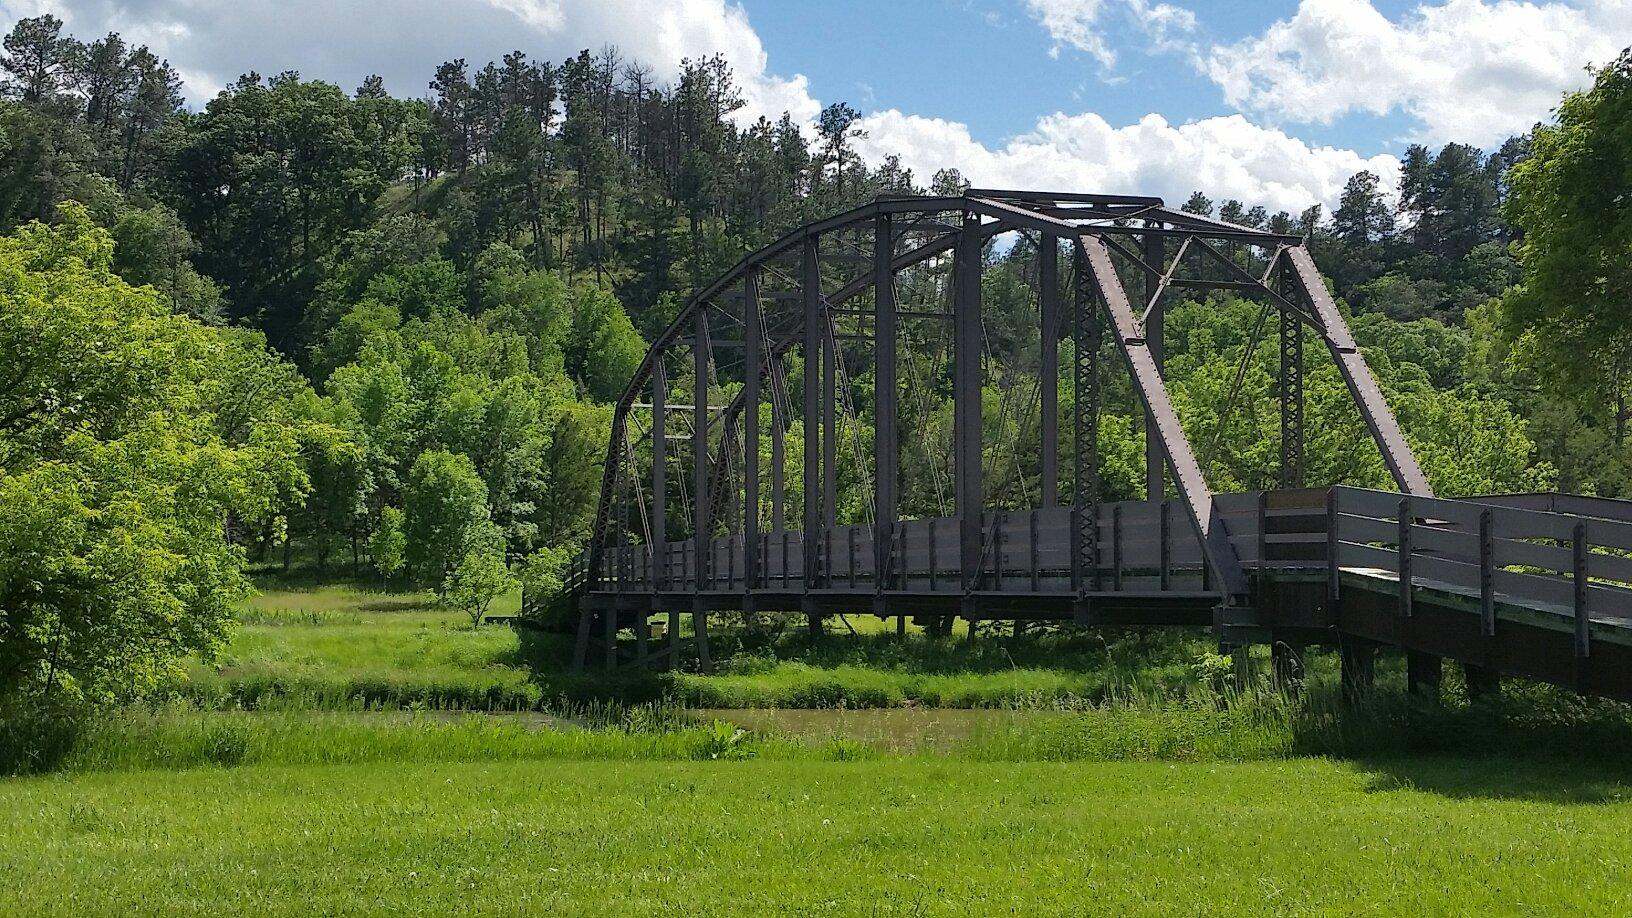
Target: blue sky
x,y
1275,102
987,64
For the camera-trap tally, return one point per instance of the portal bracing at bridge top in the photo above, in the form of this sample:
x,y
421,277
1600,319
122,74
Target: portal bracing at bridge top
x,y
776,454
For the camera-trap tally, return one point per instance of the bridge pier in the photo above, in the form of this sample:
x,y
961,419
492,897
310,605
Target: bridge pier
x,y
1423,673
699,626
674,639
1359,668
1286,665
1482,681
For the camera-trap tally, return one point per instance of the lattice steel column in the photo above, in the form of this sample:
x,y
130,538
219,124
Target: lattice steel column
x,y
1088,337
1291,397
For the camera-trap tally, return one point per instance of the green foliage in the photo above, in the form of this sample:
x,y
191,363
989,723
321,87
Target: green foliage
x,y
1569,198
387,547
479,578
127,442
445,513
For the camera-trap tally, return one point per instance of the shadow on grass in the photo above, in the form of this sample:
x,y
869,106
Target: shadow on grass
x,y
406,604
1069,649
272,577
1538,778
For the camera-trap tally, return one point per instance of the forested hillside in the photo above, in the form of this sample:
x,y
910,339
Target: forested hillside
x,y
352,330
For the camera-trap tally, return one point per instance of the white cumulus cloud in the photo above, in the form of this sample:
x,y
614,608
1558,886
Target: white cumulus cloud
x,y
1224,157
1082,24
1467,70
212,42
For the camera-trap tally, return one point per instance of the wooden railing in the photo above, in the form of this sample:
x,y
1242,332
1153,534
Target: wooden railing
x,y
1576,566
1496,550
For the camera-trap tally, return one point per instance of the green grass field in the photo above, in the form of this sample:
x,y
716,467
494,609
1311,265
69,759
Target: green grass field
x,y
323,765
340,647
892,837
343,647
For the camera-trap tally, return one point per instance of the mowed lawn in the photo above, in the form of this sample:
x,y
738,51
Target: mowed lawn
x,y
913,836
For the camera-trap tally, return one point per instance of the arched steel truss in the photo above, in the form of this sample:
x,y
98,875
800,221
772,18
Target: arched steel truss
x,y
781,300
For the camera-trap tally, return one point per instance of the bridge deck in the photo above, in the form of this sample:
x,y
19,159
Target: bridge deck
x,y
1320,561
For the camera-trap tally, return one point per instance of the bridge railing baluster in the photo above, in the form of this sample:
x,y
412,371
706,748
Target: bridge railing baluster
x,y
1166,526
1580,580
1116,547
1404,549
1487,576
1035,549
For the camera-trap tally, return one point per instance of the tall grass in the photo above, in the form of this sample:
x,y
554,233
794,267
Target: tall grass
x,y
1236,724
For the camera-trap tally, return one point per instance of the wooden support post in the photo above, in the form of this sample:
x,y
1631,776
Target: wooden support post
x,y
580,650
610,621
699,625
1333,539
1423,673
1263,530
674,638
1359,669
1286,665
1404,549
1487,576
643,636
1581,580
1482,682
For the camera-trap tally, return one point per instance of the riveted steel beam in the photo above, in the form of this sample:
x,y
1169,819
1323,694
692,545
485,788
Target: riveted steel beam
x,y
1187,477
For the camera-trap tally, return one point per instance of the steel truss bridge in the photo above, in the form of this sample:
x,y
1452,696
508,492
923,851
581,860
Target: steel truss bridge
x,y
722,492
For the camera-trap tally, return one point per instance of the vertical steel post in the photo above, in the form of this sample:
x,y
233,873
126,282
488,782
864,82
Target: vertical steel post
x,y
660,473
884,405
1048,282
1291,392
966,396
753,359
1085,449
1154,254
812,305
830,425
779,449
701,517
